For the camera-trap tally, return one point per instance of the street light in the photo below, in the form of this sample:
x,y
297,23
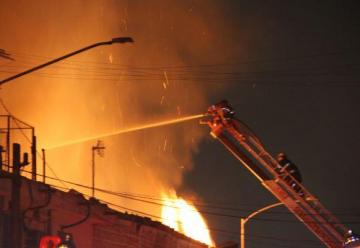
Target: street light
x,y
110,42
244,220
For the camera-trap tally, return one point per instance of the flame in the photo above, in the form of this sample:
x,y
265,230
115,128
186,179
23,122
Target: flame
x,y
182,216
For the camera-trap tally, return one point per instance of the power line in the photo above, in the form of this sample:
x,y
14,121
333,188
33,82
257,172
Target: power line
x,y
126,196
214,229
188,68
135,71
29,140
241,62
135,197
295,76
296,81
222,231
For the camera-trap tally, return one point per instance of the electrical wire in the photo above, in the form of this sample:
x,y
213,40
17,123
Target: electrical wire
x,y
29,140
222,231
242,62
192,73
134,197
270,81
126,196
212,229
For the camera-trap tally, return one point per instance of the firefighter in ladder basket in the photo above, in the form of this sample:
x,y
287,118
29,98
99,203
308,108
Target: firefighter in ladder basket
x,y
286,165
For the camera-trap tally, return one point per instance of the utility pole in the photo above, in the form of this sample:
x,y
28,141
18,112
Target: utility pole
x,y
1,158
15,216
33,156
99,149
43,165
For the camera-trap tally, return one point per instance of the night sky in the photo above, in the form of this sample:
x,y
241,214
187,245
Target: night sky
x,y
302,98
290,69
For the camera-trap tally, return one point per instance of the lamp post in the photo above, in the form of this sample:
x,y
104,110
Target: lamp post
x,y
102,43
244,220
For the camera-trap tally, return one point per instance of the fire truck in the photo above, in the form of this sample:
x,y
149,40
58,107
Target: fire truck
x,y
282,183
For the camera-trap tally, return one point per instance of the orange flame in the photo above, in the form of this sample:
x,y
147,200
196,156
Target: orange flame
x,y
182,216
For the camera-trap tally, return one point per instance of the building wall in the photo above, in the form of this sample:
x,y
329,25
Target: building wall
x,y
46,210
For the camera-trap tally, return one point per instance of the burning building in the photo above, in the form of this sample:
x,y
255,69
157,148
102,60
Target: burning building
x,y
36,214
47,213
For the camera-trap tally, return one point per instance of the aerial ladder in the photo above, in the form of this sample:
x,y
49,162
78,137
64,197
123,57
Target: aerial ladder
x,y
248,149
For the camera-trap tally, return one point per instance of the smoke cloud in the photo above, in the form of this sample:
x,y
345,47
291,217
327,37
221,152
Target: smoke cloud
x,y
111,88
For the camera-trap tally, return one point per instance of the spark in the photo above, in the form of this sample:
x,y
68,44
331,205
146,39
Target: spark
x,y
166,78
159,149
124,22
178,110
134,159
128,130
165,143
162,100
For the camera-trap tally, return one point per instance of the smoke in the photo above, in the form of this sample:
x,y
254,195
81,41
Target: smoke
x,y
110,88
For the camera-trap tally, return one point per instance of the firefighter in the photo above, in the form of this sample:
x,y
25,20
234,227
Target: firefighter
x,y
222,110
225,111
284,164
